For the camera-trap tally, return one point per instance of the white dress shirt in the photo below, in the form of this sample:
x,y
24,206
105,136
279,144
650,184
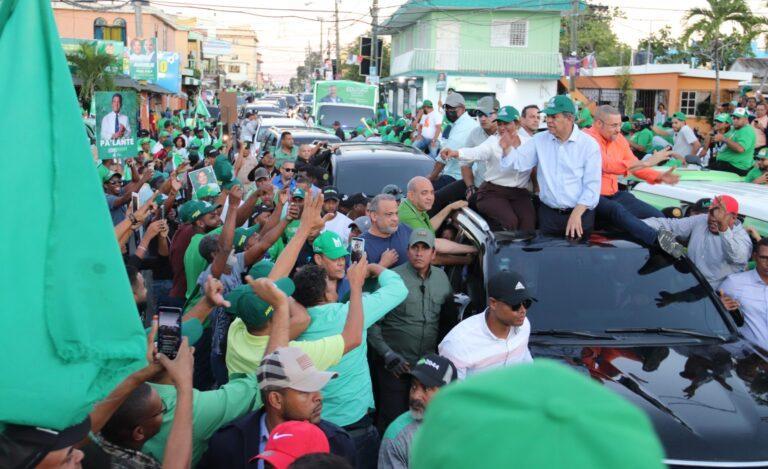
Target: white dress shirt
x,y
752,294
490,153
108,125
457,138
524,135
339,225
472,347
569,173
476,138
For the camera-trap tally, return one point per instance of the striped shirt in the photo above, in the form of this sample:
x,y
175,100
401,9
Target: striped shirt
x,y
472,347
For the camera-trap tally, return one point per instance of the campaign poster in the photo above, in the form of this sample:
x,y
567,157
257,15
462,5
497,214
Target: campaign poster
x,y
202,177
169,71
116,124
442,82
113,48
345,92
142,56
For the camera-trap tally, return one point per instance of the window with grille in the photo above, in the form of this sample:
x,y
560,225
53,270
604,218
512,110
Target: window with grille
x,y
509,33
690,99
234,69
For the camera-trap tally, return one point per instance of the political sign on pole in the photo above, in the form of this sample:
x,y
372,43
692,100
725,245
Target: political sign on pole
x,y
442,82
169,71
115,126
142,56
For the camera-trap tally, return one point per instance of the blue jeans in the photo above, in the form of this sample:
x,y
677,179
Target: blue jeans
x,y
366,446
626,212
424,144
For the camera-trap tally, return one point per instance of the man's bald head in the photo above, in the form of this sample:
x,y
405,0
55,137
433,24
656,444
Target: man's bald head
x,y
608,122
421,193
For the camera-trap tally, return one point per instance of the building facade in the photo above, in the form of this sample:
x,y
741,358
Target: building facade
x,y
243,65
488,48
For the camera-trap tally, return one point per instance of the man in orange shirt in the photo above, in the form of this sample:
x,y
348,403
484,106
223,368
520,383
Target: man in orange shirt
x,y
620,208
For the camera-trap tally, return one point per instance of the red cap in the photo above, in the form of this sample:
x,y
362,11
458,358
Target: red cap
x,y
291,440
730,204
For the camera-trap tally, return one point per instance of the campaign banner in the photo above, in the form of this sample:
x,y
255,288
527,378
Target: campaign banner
x,y
169,71
346,92
203,177
442,82
142,56
115,124
113,48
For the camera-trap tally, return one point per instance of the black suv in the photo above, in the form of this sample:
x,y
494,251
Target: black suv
x,y
647,326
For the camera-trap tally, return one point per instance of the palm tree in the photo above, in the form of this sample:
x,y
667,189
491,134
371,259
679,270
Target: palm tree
x,y
707,24
94,69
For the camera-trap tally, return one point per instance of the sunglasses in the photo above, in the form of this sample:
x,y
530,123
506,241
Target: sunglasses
x,y
289,170
526,303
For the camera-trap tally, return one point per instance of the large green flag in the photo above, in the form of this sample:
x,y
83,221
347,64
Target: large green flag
x,y
201,109
70,328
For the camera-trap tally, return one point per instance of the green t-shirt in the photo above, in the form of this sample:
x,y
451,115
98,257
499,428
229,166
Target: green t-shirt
x,y
194,264
245,350
745,137
412,217
585,116
643,138
211,410
753,174
281,156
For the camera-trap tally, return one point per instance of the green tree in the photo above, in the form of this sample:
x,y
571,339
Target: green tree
x,y
718,47
595,35
93,68
666,48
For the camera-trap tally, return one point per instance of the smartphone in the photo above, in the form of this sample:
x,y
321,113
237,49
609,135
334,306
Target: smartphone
x,y
135,201
357,248
169,330
162,212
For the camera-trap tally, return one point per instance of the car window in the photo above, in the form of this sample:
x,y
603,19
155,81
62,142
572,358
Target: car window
x,y
308,139
593,289
348,117
371,176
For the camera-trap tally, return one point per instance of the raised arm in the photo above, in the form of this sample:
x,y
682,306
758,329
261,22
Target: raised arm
x,y
256,252
178,449
227,233
353,327
310,220
268,291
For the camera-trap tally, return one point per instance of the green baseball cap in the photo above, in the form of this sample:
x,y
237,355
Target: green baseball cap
x,y
194,209
507,114
679,116
330,245
230,184
422,235
249,307
241,237
164,134
626,127
208,190
107,176
158,175
723,117
638,117
740,112
261,269
161,198
298,193
223,170
407,111
427,103
527,404
560,104
167,143
763,153
144,140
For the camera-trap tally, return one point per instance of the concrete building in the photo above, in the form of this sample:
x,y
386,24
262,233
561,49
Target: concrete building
x,y
492,47
243,66
678,86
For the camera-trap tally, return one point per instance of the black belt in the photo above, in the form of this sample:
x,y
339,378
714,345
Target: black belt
x,y
562,211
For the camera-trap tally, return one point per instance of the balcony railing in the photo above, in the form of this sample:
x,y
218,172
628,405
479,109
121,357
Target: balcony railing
x,y
501,61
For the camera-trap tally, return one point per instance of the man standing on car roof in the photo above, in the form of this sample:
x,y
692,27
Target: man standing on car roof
x,y
718,244
621,208
568,166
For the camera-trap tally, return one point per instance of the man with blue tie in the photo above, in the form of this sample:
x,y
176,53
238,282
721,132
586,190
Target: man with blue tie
x,y
569,167
115,125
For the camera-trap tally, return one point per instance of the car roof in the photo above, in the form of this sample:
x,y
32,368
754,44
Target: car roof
x,y
283,122
303,131
536,240
360,150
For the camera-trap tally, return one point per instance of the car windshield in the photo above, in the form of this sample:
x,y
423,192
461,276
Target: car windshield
x,y
307,139
594,289
370,177
291,100
348,117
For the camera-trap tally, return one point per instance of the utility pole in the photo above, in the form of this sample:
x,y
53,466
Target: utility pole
x,y
338,43
374,70
574,42
322,22
137,12
648,49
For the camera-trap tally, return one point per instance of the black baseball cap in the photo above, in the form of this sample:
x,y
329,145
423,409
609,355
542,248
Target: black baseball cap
x,y
701,206
26,445
434,371
509,288
211,153
331,193
354,199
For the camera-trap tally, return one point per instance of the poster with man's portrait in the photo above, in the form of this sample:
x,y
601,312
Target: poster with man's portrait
x,y
115,124
142,56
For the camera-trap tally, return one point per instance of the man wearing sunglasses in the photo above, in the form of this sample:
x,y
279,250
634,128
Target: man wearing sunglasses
x,y
286,178
497,337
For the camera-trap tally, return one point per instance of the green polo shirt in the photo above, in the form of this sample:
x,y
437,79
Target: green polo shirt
x,y
745,137
753,174
281,156
643,138
349,397
413,217
585,116
211,410
194,264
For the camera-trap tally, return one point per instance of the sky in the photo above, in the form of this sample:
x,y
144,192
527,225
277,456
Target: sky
x,y
285,28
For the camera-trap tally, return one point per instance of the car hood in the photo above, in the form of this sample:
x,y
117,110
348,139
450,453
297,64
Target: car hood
x,y
707,402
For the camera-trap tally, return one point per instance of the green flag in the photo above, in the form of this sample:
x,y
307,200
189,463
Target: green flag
x,y
201,110
70,327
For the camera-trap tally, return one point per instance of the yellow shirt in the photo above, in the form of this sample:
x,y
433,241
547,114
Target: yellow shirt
x,y
245,350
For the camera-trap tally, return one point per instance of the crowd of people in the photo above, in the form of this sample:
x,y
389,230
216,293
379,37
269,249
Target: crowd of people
x,y
295,355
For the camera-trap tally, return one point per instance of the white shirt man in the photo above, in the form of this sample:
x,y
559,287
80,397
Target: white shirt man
x,y
429,122
496,337
750,292
115,125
